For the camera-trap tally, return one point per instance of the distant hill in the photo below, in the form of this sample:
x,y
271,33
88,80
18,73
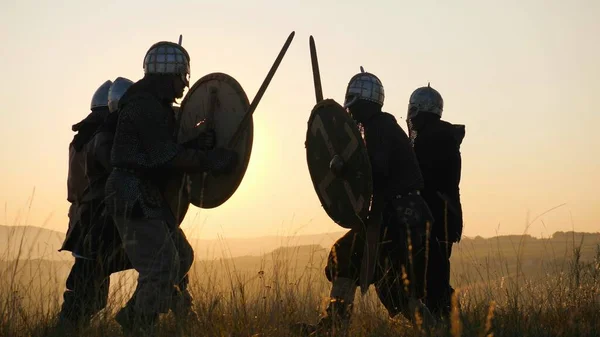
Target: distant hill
x,y
29,242
39,243
233,247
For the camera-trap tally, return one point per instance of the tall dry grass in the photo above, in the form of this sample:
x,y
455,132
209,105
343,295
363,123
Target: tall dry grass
x,y
499,293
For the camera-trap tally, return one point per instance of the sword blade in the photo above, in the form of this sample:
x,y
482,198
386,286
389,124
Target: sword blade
x,y
238,133
315,68
370,255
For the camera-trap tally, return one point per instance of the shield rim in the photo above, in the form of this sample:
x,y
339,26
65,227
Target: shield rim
x,y
249,129
323,104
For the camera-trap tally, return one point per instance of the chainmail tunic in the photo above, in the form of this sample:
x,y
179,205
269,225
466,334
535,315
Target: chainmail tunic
x,y
143,143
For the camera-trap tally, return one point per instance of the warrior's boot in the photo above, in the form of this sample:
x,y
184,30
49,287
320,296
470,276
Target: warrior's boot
x,y
442,308
74,314
336,321
418,311
64,325
183,309
135,323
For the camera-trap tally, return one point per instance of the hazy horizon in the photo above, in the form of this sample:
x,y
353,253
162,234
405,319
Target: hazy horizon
x,y
522,77
191,232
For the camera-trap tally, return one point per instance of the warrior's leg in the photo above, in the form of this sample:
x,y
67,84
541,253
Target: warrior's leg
x,y
112,248
448,251
152,252
86,294
73,307
393,281
401,270
183,304
446,248
342,270
438,279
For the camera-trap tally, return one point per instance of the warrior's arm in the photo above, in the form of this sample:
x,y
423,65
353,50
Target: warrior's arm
x,y
70,195
155,135
379,166
456,158
378,146
101,149
204,141
189,160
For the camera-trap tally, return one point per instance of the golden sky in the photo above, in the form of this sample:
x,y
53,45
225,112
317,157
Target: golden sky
x,y
523,76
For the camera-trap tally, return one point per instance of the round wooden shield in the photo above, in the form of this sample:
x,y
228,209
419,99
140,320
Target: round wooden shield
x,y
339,164
218,102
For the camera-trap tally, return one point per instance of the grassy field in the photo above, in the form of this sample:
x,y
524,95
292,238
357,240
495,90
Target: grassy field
x,y
507,286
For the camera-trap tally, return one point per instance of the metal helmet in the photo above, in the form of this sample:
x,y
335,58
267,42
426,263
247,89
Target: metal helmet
x,y
116,91
425,99
168,58
364,86
100,97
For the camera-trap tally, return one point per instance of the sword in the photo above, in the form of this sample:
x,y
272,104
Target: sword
x,y
242,127
368,262
315,69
